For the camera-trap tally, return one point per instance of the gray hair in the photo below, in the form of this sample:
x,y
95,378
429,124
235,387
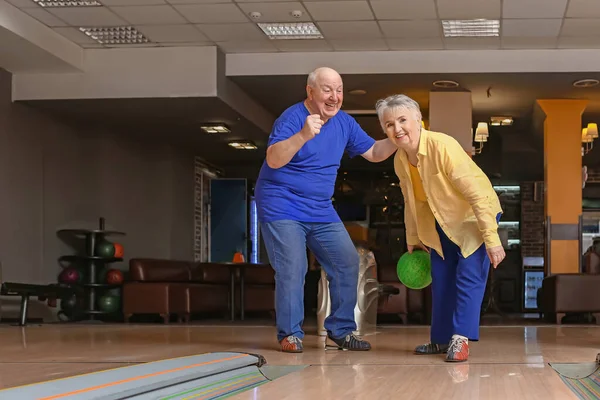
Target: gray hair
x,y
397,101
312,79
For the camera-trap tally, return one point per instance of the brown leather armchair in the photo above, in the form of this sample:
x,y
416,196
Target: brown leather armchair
x,y
156,287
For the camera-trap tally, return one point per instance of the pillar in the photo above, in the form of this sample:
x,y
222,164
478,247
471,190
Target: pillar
x,y
452,113
562,184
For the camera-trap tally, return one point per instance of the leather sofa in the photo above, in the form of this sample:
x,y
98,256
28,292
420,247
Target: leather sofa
x,y
570,293
182,288
575,293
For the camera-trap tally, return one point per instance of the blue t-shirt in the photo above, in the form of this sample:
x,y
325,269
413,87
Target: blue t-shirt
x,y
302,189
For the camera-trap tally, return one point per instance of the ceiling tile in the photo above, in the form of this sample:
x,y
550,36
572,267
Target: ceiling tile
x,y
534,8
468,9
580,27
276,12
350,30
531,27
589,42
583,9
359,45
232,32
200,1
404,9
75,35
147,15
247,47
471,43
44,17
186,44
528,42
132,2
87,16
340,11
23,3
410,29
302,45
416,44
172,33
212,13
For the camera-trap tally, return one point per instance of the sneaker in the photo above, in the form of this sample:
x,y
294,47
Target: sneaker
x,y
458,350
349,342
291,344
431,348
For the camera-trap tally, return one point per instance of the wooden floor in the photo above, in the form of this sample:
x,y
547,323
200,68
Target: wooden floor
x,y
510,362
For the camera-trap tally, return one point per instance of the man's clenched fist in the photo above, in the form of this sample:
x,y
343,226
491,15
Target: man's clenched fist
x,y
312,126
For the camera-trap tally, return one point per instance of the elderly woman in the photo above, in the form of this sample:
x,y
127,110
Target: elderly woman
x,y
452,212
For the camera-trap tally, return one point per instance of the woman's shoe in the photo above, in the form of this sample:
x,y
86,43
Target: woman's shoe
x,y
431,348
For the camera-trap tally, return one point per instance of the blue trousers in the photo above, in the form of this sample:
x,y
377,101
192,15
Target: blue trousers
x,y
458,285
286,243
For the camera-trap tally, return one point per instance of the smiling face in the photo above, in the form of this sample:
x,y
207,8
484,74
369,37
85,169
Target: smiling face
x,y
326,94
402,126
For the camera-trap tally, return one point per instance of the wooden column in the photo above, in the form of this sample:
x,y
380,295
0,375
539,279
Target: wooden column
x,y
562,184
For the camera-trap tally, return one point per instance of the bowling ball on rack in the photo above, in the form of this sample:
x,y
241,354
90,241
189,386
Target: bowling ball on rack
x,y
68,304
114,277
69,275
105,249
108,303
119,251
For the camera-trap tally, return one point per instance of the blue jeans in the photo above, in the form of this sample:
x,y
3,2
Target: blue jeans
x,y
457,289
286,243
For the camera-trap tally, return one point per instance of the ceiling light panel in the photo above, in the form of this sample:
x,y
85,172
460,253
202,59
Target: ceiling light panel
x,y
291,30
243,145
115,35
471,28
74,3
215,129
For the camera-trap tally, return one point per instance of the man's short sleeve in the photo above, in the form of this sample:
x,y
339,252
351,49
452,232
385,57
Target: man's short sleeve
x,y
358,140
284,128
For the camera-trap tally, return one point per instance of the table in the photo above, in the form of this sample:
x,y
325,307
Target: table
x,y
233,268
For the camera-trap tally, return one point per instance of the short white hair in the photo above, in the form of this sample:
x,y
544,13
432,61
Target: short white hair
x,y
397,101
312,79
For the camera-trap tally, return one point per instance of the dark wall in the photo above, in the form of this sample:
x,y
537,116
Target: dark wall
x,y
54,175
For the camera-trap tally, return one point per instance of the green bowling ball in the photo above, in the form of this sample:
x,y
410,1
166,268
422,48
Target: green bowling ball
x,y
414,270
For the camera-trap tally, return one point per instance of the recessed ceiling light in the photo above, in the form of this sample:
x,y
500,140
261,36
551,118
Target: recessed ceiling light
x,y
291,30
115,35
585,83
73,3
357,92
243,145
471,28
445,84
217,128
501,121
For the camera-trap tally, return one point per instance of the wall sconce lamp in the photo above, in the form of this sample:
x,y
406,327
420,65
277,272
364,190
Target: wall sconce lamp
x,y
588,134
481,136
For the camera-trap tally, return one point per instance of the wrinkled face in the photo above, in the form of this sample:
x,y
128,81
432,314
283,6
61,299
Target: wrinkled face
x,y
326,97
402,126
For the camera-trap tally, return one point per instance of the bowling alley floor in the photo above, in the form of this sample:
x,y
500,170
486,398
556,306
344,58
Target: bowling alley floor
x,y
510,361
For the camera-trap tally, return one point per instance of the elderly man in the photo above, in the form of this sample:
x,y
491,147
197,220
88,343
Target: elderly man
x,y
293,194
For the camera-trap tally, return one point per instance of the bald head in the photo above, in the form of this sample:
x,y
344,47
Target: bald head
x,y
322,73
